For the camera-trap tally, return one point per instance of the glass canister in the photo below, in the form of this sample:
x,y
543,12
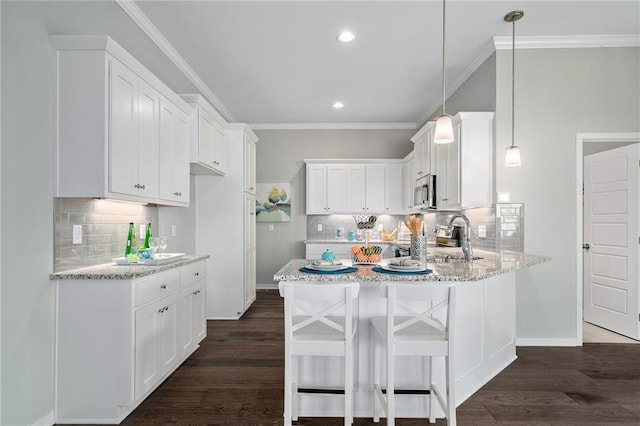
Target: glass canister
x,y
418,250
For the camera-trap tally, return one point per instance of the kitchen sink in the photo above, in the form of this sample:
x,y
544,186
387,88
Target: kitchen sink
x,y
449,258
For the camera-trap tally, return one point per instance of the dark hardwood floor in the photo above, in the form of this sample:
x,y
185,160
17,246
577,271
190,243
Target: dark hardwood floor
x,y
236,378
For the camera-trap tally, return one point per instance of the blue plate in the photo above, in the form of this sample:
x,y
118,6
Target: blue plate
x,y
386,271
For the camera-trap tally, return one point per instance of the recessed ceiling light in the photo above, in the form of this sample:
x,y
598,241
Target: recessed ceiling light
x,y
346,37
338,105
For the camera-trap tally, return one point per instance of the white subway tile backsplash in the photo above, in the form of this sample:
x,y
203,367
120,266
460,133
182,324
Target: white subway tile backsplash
x,y
105,226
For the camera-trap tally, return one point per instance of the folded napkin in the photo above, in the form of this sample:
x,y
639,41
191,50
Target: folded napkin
x,y
386,271
326,263
317,271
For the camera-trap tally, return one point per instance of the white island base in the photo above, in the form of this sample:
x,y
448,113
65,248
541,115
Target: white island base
x,y
484,346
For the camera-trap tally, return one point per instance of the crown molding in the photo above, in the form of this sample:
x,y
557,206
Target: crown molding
x,y
136,14
568,42
333,126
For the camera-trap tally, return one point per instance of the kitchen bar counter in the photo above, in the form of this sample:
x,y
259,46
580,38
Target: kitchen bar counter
x,y
111,271
485,336
490,264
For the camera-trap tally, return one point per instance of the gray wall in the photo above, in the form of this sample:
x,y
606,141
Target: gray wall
x,y
280,155
477,93
27,309
559,93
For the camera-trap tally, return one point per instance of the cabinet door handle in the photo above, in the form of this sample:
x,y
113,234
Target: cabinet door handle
x,y
197,274
137,185
163,286
161,310
196,292
177,194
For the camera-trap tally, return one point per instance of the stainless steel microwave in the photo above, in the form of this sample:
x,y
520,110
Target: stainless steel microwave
x,y
424,193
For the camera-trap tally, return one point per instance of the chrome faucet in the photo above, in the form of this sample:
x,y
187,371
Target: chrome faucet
x,y
466,236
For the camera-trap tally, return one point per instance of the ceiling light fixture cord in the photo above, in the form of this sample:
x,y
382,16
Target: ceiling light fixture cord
x,y
512,158
513,81
443,54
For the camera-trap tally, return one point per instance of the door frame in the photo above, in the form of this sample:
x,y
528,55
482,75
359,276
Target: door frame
x,y
582,138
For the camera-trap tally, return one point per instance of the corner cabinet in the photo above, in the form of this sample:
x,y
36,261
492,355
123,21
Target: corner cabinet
x,y
208,142
354,186
464,168
120,338
225,213
114,114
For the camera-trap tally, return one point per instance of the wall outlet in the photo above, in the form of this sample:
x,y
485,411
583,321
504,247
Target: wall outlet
x,y
482,231
319,228
77,234
173,231
271,227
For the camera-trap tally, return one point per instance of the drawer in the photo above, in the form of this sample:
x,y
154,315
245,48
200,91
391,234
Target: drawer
x,y
155,286
192,272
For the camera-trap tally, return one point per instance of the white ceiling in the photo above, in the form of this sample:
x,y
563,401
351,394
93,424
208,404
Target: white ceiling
x,y
278,63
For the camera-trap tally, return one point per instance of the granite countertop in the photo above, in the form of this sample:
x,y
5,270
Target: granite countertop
x,y
111,271
490,264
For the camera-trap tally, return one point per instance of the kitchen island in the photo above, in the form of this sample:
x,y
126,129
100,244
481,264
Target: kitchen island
x,y
484,320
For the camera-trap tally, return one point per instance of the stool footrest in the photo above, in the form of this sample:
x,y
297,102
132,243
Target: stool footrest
x,y
320,390
409,392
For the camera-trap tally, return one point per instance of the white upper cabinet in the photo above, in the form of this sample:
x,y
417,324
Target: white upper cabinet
x,y
109,123
423,151
464,168
354,186
208,141
174,154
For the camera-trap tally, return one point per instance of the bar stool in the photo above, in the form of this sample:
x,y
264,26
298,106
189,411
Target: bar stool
x,y
416,325
318,320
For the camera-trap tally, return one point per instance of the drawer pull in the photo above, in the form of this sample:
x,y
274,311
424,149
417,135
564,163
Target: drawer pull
x,y
163,286
164,308
196,292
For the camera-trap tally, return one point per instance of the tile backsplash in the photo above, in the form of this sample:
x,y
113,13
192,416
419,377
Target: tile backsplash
x,y
105,225
503,226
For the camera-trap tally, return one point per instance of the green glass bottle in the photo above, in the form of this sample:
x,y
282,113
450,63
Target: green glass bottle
x,y
131,242
147,236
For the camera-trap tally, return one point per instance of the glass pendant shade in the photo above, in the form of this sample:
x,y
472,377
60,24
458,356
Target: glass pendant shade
x,y
512,158
444,129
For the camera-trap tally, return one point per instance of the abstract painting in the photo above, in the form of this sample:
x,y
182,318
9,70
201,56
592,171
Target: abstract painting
x,y
273,202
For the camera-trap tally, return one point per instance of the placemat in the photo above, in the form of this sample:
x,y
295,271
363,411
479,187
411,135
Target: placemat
x,y
340,271
384,271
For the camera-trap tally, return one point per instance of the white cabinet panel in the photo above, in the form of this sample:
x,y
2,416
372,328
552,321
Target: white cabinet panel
x,y
375,189
316,190
336,189
174,154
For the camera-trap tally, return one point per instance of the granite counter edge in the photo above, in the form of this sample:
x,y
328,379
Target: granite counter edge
x,y
111,271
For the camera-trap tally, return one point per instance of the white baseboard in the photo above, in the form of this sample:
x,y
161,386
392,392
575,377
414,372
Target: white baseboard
x,y
272,286
47,420
547,342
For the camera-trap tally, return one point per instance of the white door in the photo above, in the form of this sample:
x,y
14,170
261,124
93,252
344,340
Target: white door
x,y
611,240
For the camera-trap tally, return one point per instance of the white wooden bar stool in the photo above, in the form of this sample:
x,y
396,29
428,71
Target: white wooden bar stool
x,y
318,320
419,322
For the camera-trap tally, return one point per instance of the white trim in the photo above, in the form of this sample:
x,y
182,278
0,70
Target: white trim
x,y
272,286
582,138
568,42
547,342
333,126
46,420
136,14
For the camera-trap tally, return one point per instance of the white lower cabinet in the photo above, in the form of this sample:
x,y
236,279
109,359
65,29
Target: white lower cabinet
x,y
120,338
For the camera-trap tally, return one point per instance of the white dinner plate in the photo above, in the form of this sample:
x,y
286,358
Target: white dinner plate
x,y
337,267
406,265
403,268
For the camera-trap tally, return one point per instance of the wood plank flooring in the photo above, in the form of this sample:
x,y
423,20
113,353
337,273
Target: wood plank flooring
x,y
236,378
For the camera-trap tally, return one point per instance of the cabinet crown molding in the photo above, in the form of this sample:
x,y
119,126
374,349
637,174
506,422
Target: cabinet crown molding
x,y
107,44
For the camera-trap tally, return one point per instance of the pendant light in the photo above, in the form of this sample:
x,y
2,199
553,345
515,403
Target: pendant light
x,y
512,158
444,125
